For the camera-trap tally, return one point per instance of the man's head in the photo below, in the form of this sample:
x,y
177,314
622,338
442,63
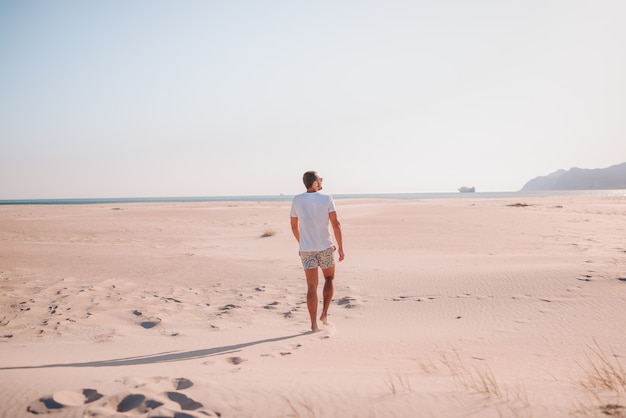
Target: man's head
x,y
312,181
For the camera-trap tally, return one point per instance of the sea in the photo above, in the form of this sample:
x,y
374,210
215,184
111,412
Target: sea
x,y
285,198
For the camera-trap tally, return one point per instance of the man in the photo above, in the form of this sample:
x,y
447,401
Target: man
x,y
311,213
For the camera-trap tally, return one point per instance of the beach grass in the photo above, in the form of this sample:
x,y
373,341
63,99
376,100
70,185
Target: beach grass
x,y
296,412
471,379
603,372
604,378
398,383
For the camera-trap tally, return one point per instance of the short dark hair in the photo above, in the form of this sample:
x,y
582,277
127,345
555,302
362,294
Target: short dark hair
x,y
309,178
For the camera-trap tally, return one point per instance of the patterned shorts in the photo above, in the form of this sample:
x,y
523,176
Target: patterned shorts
x,y
313,259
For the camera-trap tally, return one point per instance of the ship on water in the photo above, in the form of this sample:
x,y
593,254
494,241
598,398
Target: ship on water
x,y
467,189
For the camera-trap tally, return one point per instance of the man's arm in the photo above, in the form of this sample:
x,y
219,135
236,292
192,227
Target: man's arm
x,y
337,232
294,228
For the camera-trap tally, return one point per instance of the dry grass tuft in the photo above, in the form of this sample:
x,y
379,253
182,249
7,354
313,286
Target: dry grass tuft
x,y
613,410
603,373
295,413
398,384
605,378
268,233
472,379
480,380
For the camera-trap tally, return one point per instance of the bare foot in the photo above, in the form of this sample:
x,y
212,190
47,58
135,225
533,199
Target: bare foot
x,y
315,329
324,319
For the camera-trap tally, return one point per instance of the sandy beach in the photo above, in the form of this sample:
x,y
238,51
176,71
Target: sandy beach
x,y
442,308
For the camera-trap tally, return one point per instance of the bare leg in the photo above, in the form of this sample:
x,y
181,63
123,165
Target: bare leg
x,y
329,290
311,296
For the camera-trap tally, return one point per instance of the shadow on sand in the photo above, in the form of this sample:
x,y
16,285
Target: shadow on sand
x,y
166,357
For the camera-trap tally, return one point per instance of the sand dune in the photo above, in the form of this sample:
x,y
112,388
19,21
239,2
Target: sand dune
x,y
460,307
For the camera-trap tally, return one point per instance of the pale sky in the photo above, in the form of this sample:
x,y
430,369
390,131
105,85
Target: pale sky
x,y
149,98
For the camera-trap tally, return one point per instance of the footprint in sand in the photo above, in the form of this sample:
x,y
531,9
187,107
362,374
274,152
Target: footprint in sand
x,y
137,402
348,302
63,399
186,403
153,397
182,383
236,360
229,307
404,298
147,323
150,324
272,305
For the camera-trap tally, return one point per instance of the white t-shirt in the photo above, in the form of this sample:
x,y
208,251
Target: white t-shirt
x,y
312,211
